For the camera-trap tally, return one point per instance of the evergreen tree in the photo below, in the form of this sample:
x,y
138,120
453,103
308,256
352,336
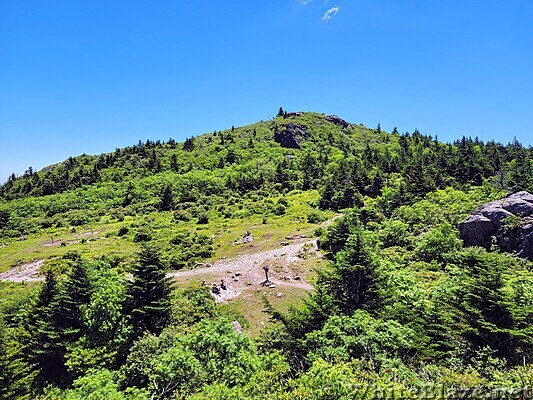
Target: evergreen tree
x,y
174,163
189,144
77,292
148,295
352,281
485,304
167,199
4,219
15,372
47,349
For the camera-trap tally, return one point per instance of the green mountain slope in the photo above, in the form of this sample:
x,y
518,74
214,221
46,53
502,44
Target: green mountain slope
x,y
394,301
341,160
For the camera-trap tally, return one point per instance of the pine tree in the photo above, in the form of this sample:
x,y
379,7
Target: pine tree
x,y
15,372
174,163
167,199
47,349
77,292
352,283
148,295
4,218
189,144
485,305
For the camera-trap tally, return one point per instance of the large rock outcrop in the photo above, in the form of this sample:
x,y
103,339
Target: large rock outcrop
x,y
509,221
338,121
290,135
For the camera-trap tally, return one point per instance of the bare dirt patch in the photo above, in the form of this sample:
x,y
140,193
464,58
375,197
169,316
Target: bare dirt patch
x,y
58,243
27,272
245,272
86,234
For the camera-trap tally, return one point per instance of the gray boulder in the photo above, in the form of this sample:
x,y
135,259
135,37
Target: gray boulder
x,y
525,249
488,224
476,229
290,135
520,204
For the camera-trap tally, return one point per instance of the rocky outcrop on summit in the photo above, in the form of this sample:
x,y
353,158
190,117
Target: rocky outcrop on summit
x,y
338,121
509,221
289,135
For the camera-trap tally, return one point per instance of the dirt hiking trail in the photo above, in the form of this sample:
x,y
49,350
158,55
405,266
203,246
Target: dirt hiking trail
x,y
242,273
245,272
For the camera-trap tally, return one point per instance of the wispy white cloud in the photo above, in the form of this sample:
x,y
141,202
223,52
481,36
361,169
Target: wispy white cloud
x,y
330,13
304,2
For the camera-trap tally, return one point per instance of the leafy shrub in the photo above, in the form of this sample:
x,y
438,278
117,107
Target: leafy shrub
x,y
438,242
315,217
46,223
117,215
78,218
203,218
280,209
123,230
395,233
142,236
360,336
191,247
178,363
283,201
182,215
319,231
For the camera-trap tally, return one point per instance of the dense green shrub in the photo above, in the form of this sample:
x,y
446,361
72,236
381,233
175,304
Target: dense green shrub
x,y
142,236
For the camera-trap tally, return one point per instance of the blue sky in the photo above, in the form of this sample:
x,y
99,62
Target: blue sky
x,y
89,76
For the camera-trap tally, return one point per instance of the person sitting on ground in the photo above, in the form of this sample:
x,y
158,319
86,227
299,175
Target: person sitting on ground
x,y
215,289
223,285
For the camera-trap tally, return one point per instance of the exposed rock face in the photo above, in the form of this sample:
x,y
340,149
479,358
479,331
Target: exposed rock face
x,y
289,136
292,114
488,222
337,121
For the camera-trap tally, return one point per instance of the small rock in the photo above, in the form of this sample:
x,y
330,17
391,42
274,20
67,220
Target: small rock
x,y
224,257
272,286
237,326
297,278
248,283
238,274
278,295
284,243
23,238
236,279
